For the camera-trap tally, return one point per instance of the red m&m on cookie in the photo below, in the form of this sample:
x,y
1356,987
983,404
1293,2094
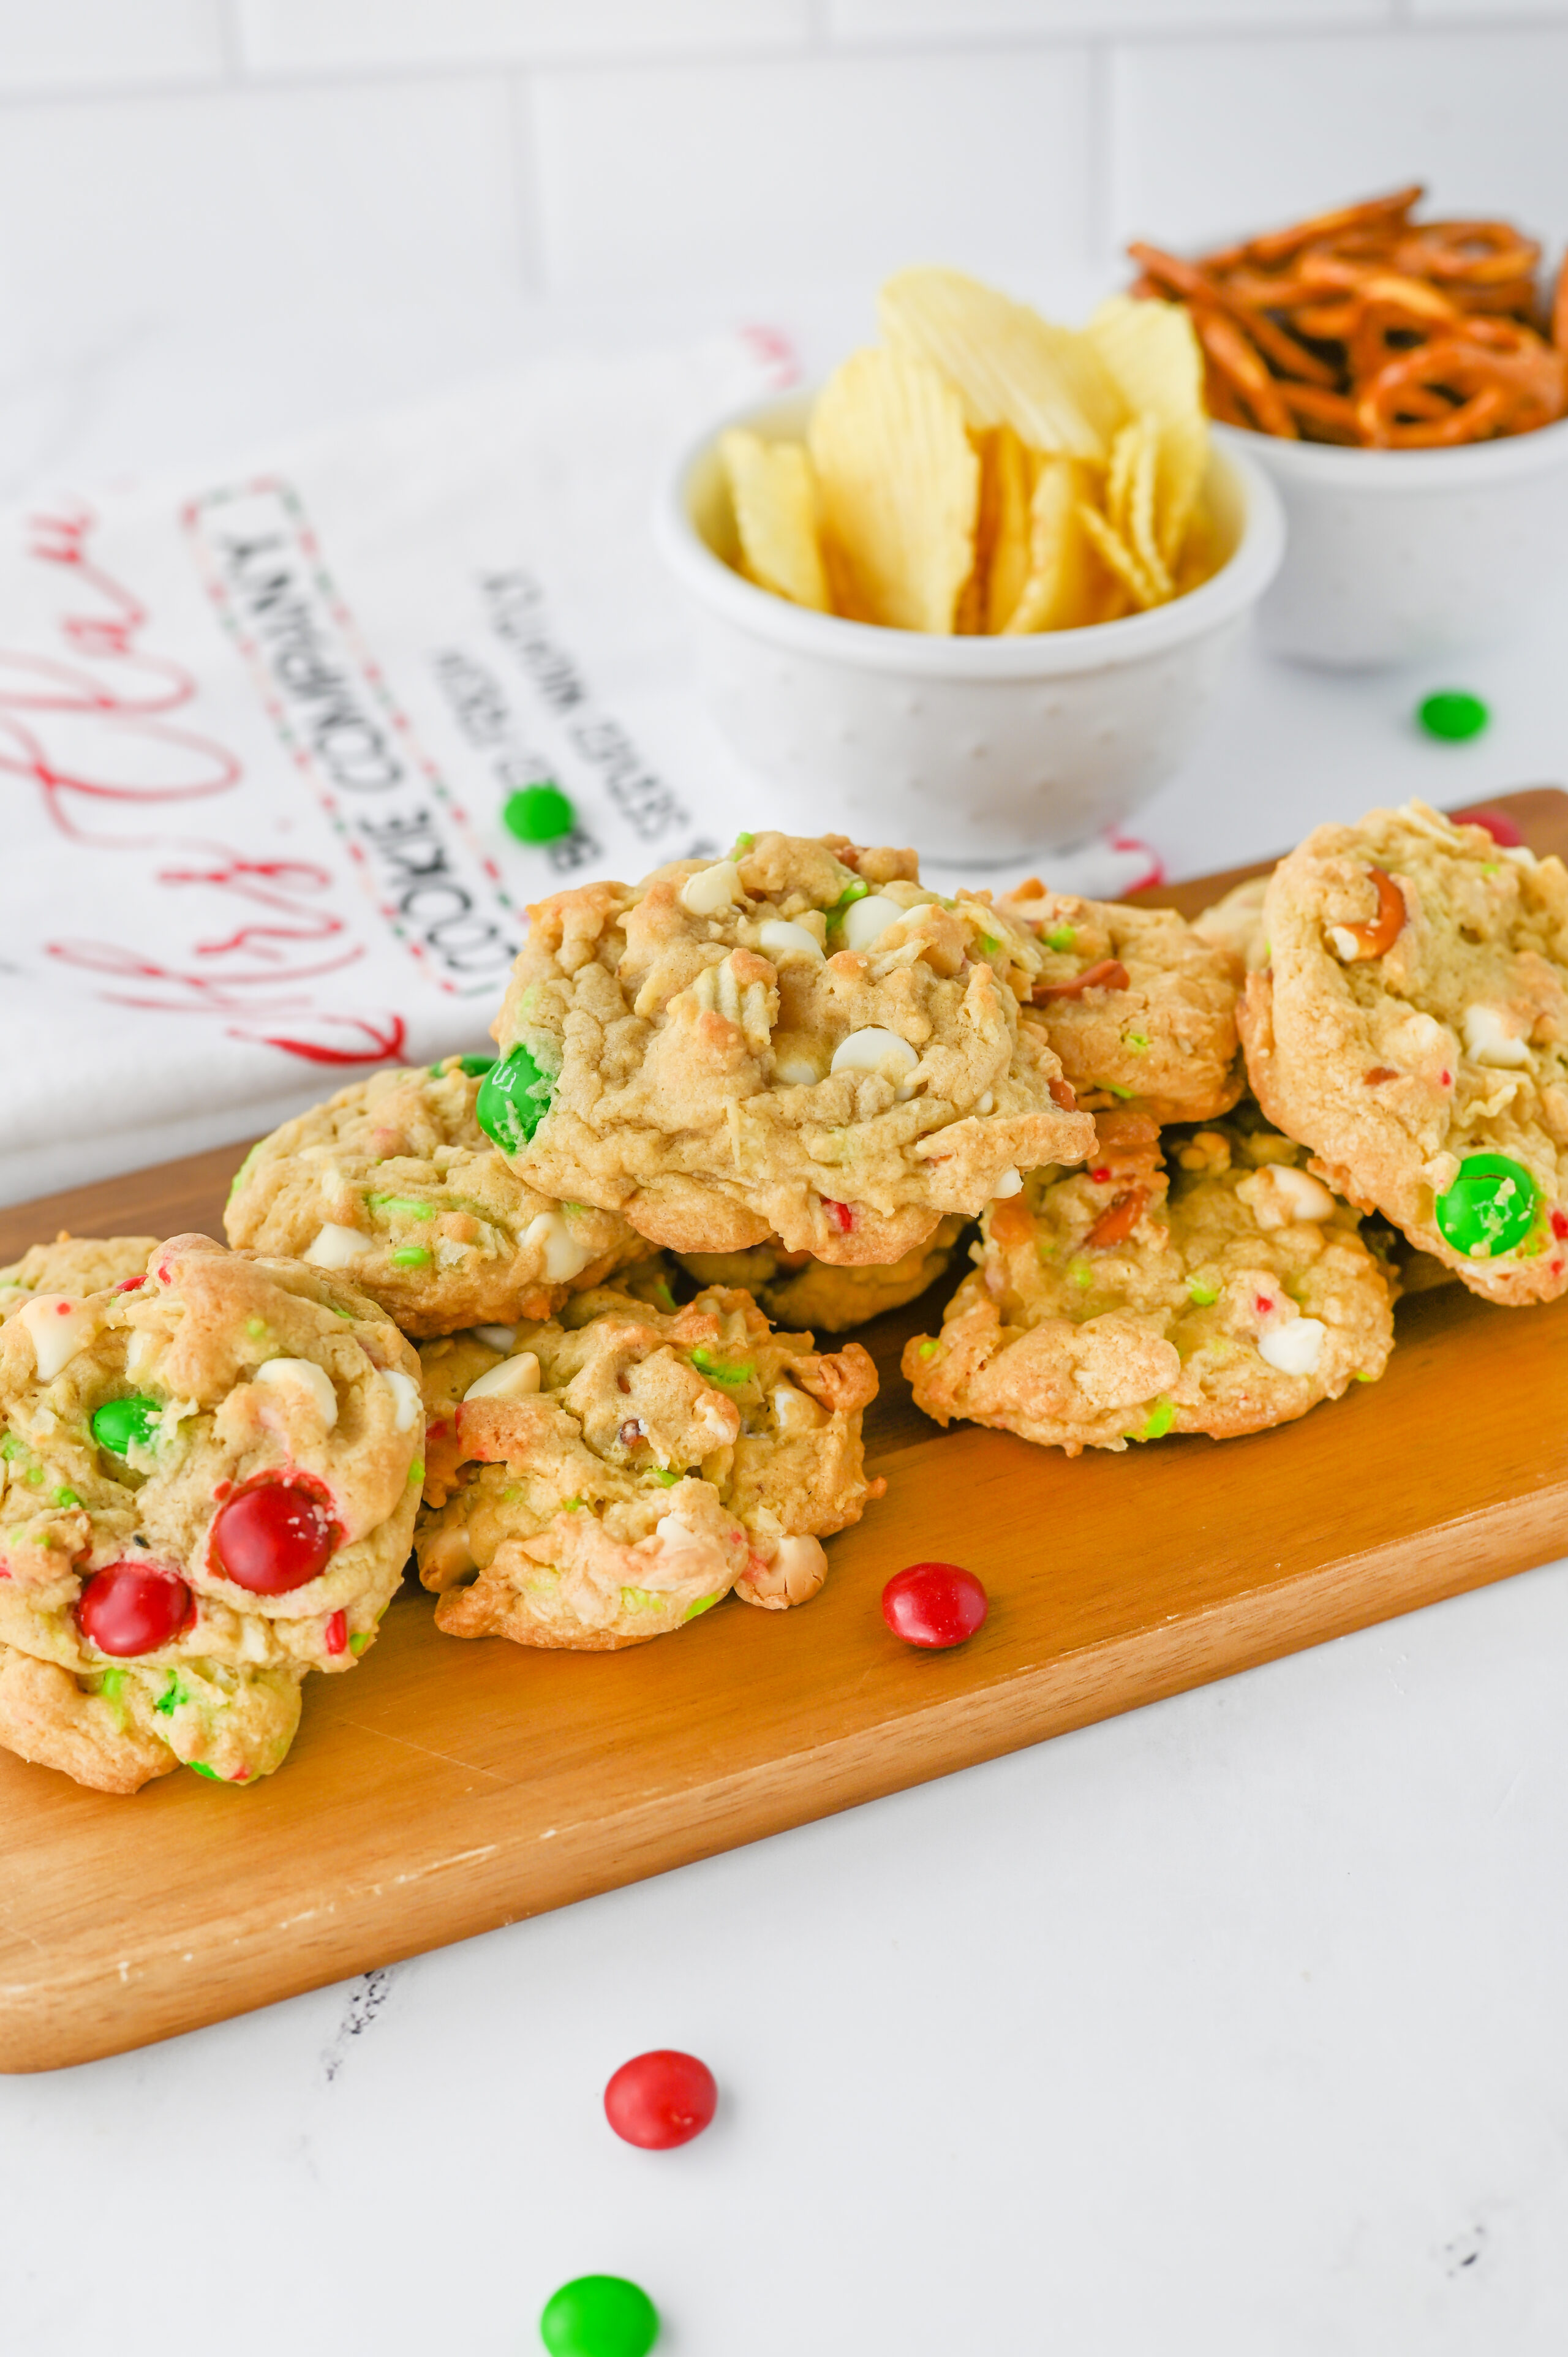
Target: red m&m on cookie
x,y
934,1604
272,1539
126,1609
660,2100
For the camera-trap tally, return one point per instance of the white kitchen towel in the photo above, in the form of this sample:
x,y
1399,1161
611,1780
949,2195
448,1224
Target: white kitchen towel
x,y
259,729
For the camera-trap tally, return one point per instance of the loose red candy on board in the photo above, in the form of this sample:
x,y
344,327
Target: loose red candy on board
x,y
272,1539
934,1604
660,2100
125,1608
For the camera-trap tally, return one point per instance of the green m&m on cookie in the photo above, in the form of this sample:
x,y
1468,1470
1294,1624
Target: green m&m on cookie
x,y
1490,1207
121,1425
513,1099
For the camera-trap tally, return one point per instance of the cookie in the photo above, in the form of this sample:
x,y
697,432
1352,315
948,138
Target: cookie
x,y
1234,924
1139,1008
393,1182
209,1480
72,1264
620,1468
1217,1288
798,1290
1412,1030
797,1040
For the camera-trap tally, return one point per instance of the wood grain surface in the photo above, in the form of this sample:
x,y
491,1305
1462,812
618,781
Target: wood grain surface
x,y
447,1787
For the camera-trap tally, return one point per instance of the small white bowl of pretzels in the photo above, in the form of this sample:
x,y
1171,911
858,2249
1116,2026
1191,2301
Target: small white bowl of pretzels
x,y
1404,384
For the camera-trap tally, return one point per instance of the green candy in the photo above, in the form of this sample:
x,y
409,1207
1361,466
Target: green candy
x,y
1160,1418
716,1371
513,1099
122,1425
703,1604
853,891
1062,939
410,1256
600,2316
540,813
473,1068
1454,715
1490,1207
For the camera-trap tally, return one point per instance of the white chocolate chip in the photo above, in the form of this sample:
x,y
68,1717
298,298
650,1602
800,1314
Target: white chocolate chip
x,y
337,1247
405,1395
1278,1196
564,1256
512,1380
798,1570
781,939
876,1050
1010,1183
987,1104
1488,1040
1346,945
60,1325
498,1338
711,889
795,1067
794,1411
866,921
307,1380
1296,1347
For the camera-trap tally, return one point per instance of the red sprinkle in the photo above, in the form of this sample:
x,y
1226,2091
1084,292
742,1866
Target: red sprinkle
x,y
1101,1177
1262,1305
337,1633
129,1283
1560,1225
660,2100
840,1214
1445,1080
934,1604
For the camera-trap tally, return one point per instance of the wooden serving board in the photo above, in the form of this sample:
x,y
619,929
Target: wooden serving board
x,y
447,1787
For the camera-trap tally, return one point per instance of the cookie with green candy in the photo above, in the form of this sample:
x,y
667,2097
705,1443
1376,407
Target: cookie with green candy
x,y
620,1469
72,1264
393,1182
798,1290
1140,1009
1412,1031
208,1475
1201,1282
797,1041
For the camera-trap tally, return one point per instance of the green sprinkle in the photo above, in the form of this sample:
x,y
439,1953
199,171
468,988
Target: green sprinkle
x,y
256,1328
171,1698
662,1290
539,813
1111,1090
744,842
404,1203
416,1473
928,1350
199,1767
640,1599
513,1099
111,1683
243,1173
703,1604
1135,1041
1161,1418
410,1256
121,1425
1082,1274
665,1480
572,1505
1452,714
35,1477
1363,1377
360,1640
1062,939
11,1446
1204,1295
853,891
989,945
67,1498
1493,868
743,1373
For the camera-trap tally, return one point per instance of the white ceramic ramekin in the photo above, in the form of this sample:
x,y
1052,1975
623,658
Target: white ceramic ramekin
x,y
978,749
1394,556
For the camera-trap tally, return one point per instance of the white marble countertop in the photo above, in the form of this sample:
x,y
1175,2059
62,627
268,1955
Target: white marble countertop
x,y
1234,2026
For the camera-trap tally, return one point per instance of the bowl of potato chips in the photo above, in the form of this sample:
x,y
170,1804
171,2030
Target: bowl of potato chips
x,y
981,588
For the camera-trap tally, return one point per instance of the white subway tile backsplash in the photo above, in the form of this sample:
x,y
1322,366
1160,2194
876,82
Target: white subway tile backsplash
x,y
1213,137
58,43
962,20
746,174
302,36
171,208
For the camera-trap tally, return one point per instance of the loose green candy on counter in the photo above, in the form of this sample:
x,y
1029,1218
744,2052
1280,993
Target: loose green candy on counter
x,y
513,1099
1454,715
539,813
124,1424
1490,1207
600,2316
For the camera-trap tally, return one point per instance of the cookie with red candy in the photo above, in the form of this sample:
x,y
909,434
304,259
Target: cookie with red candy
x,y
208,1474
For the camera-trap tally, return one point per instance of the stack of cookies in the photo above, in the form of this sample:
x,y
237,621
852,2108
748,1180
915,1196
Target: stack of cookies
x,y
549,1317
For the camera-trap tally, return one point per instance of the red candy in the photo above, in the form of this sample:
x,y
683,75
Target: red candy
x,y
337,1633
1559,1226
934,1604
273,1539
1502,830
125,1608
840,1214
660,2100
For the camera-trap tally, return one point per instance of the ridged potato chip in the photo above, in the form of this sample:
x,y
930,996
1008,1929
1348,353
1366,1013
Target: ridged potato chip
x,y
1058,595
1002,552
1010,366
899,486
1151,351
775,502
1114,553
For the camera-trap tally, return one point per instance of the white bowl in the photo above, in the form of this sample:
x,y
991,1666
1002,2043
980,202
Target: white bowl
x,y
1395,556
977,748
